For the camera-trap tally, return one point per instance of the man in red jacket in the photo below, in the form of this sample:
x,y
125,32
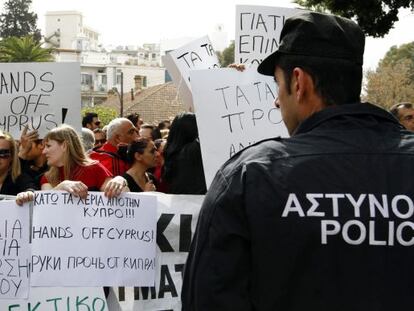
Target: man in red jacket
x,y
120,133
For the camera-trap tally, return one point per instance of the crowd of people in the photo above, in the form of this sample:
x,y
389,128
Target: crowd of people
x,y
124,155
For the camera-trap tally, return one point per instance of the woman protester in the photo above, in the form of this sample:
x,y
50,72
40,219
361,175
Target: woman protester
x,y
183,167
12,180
70,169
142,155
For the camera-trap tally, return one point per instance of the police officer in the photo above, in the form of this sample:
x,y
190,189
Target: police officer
x,y
322,220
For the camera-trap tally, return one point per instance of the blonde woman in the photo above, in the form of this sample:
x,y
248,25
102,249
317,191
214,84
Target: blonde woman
x,y
70,169
12,181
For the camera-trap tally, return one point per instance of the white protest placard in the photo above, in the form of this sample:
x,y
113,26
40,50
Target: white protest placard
x,y
234,110
15,250
198,54
94,241
59,299
258,31
40,96
177,220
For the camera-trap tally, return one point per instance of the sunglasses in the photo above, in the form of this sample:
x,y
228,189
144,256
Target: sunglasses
x,y
97,123
5,153
100,141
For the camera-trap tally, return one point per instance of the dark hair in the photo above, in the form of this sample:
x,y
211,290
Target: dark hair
x,y
183,130
88,118
164,124
395,109
337,82
137,146
155,132
133,117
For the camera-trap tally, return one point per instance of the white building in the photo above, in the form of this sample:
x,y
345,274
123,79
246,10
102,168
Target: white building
x,y
100,69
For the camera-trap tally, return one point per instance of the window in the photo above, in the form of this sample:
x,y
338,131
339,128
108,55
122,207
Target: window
x,y
86,79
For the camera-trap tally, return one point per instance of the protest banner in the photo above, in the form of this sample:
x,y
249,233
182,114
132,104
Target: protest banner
x,y
15,251
198,54
95,241
40,96
177,220
234,110
258,31
59,299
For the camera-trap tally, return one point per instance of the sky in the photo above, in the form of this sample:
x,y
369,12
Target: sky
x,y
134,22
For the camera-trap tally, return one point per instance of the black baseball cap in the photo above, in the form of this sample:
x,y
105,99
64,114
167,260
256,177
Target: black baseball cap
x,y
319,35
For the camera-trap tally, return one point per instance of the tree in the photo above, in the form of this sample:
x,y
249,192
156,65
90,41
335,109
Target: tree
x,y
17,21
25,49
396,54
390,84
106,114
375,17
227,56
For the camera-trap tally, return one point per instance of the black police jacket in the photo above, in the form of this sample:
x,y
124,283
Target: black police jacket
x,y
319,221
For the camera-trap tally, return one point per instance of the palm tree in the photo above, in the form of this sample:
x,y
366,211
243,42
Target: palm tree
x,y
24,49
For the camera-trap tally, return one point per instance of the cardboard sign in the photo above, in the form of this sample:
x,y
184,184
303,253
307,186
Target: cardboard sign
x,y
59,299
258,31
94,241
40,96
234,110
198,54
177,219
15,251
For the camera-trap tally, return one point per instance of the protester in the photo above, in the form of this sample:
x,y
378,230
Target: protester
x,y
159,165
88,140
32,159
91,121
321,220
136,120
404,112
142,156
112,154
12,181
150,132
71,169
183,167
100,138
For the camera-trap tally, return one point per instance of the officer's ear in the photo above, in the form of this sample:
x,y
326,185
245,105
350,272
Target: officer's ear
x,y
301,84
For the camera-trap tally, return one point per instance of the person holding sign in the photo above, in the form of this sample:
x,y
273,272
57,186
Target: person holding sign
x,y
322,220
142,156
71,169
12,181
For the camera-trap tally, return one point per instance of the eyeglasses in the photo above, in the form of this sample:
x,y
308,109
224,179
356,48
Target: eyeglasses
x,y
5,153
100,141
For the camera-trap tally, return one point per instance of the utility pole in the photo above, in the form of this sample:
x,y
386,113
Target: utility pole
x,y
122,95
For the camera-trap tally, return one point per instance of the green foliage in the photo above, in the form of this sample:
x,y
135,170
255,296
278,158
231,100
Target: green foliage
x,y
390,83
397,54
375,17
227,56
106,114
17,21
25,49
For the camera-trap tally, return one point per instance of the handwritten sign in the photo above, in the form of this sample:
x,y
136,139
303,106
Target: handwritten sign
x,y
177,220
59,299
94,241
198,54
258,31
234,110
15,251
40,96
